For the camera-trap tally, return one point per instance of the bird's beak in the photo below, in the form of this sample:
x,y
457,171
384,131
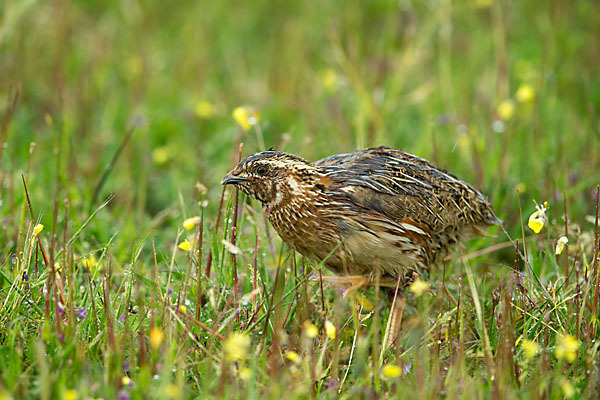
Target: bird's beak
x,y
230,179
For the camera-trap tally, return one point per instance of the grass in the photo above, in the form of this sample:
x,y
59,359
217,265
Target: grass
x,y
113,111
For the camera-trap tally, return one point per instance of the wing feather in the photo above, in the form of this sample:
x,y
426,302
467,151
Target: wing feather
x,y
401,185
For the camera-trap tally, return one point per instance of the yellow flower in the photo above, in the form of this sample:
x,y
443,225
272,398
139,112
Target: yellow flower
x,y
71,394
310,330
92,263
560,245
183,308
172,391
204,109
126,381
521,187
190,223
464,141
483,3
329,78
185,245
419,287
4,395
236,347
530,348
134,65
567,388
293,357
156,337
330,329
566,347
37,229
363,301
536,224
160,155
525,93
245,373
538,218
391,371
245,117
506,109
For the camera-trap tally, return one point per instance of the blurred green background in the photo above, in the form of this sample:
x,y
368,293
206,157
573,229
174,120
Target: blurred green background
x,y
327,77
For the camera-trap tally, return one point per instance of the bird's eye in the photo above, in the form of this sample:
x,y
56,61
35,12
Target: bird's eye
x,y
261,170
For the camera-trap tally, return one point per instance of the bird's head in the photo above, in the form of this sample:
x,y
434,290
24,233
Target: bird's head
x,y
271,176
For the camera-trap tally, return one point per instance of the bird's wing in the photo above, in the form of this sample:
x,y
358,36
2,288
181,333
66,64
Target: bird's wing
x,y
401,185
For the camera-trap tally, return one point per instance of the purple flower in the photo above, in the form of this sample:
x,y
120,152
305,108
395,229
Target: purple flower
x,y
406,368
572,177
332,384
169,291
25,277
442,119
61,310
557,195
122,318
123,395
80,312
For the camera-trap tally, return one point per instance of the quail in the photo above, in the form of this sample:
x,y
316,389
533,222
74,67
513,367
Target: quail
x,y
374,216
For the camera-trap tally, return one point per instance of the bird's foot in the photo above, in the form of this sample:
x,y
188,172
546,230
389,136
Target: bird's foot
x,y
354,282
350,282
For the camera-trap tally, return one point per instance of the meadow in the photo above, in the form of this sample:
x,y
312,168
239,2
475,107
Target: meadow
x,y
127,271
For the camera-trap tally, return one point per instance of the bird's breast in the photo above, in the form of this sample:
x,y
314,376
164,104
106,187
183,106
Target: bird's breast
x,y
303,225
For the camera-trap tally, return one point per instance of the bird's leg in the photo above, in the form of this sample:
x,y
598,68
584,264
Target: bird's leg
x,y
395,318
350,282
383,282
358,282
354,282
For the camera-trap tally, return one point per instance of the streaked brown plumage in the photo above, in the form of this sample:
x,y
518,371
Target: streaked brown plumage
x,y
374,208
